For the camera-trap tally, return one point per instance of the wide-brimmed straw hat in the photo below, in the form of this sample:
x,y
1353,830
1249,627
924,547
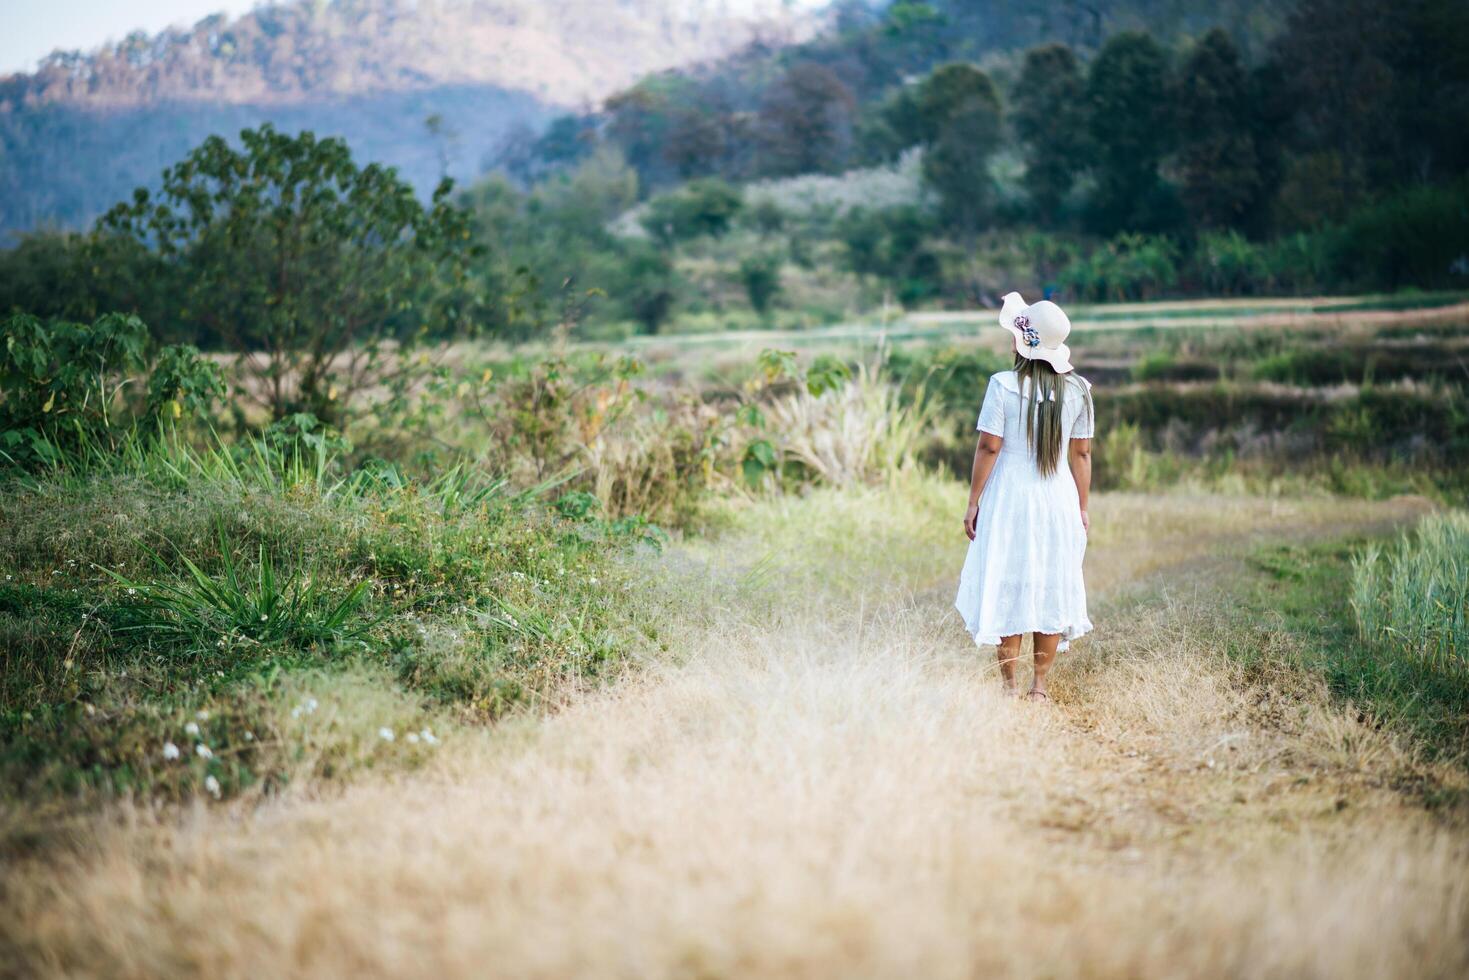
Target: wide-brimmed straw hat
x,y
1040,330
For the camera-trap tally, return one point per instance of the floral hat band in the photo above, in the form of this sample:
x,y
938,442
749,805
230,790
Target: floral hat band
x,y
1040,330
1028,333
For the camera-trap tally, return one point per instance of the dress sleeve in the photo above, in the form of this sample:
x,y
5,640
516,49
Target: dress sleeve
x,y
1085,425
992,412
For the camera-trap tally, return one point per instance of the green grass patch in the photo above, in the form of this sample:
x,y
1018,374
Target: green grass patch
x,y
165,632
1311,590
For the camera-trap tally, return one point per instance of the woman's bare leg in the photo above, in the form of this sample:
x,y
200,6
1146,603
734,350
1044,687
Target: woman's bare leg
x,y
1045,655
1009,654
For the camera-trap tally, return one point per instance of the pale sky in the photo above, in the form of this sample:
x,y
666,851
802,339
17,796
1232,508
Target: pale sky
x,y
32,29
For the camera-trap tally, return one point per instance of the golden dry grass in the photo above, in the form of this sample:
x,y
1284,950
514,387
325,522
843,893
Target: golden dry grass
x,y
821,779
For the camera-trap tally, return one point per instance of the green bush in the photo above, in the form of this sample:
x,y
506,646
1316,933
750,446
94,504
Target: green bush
x,y
68,387
1415,237
760,275
1129,267
1228,264
698,208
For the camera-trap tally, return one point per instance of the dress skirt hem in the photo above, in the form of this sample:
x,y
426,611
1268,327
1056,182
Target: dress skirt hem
x,y
990,638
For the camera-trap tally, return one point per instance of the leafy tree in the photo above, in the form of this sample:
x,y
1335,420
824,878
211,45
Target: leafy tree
x,y
700,207
893,245
766,216
639,121
1418,236
916,34
806,122
760,275
1217,160
959,120
567,141
647,287
287,252
696,142
1385,85
1132,128
1050,118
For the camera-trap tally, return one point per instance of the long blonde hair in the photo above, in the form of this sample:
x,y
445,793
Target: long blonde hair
x,y
1044,407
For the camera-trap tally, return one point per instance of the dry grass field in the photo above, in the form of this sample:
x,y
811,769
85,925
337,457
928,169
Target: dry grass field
x,y
818,777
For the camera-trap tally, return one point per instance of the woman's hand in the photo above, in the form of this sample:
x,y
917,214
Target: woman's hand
x,y
1086,524
970,516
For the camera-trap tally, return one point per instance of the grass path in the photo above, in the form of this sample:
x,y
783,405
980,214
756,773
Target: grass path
x,y
819,778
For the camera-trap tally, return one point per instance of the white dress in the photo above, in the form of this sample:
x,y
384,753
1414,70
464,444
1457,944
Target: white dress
x,y
1023,570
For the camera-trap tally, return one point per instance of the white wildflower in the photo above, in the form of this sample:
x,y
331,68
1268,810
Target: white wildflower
x,y
249,736
202,751
428,736
202,715
412,738
386,734
192,728
132,591
170,751
91,710
212,785
310,705
296,711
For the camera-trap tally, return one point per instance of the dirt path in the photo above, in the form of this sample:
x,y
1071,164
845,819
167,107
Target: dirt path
x,y
821,779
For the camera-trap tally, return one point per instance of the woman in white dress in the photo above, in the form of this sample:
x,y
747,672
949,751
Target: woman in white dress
x,y
1027,523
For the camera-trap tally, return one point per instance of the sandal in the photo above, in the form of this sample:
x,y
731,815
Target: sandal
x,y
1034,695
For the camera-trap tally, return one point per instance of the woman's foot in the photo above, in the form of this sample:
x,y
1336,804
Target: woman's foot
x,y
1036,695
1010,690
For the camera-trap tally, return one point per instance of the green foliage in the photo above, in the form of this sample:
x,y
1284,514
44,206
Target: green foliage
x,y
1049,114
958,120
760,458
826,373
700,207
549,253
894,246
1131,127
1417,236
236,606
648,288
388,599
1230,264
287,248
1413,602
1132,266
1222,182
760,275
1315,592
71,386
806,122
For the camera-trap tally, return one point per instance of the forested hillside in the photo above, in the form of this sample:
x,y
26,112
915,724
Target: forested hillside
x,y
84,129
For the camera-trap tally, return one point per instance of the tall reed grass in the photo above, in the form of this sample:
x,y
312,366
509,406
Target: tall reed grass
x,y
862,432
1412,600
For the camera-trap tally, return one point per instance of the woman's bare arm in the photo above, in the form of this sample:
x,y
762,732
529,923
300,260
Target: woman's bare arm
x,y
1079,457
986,451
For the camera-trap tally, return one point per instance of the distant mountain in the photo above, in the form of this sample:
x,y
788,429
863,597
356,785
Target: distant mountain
x,y
84,129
